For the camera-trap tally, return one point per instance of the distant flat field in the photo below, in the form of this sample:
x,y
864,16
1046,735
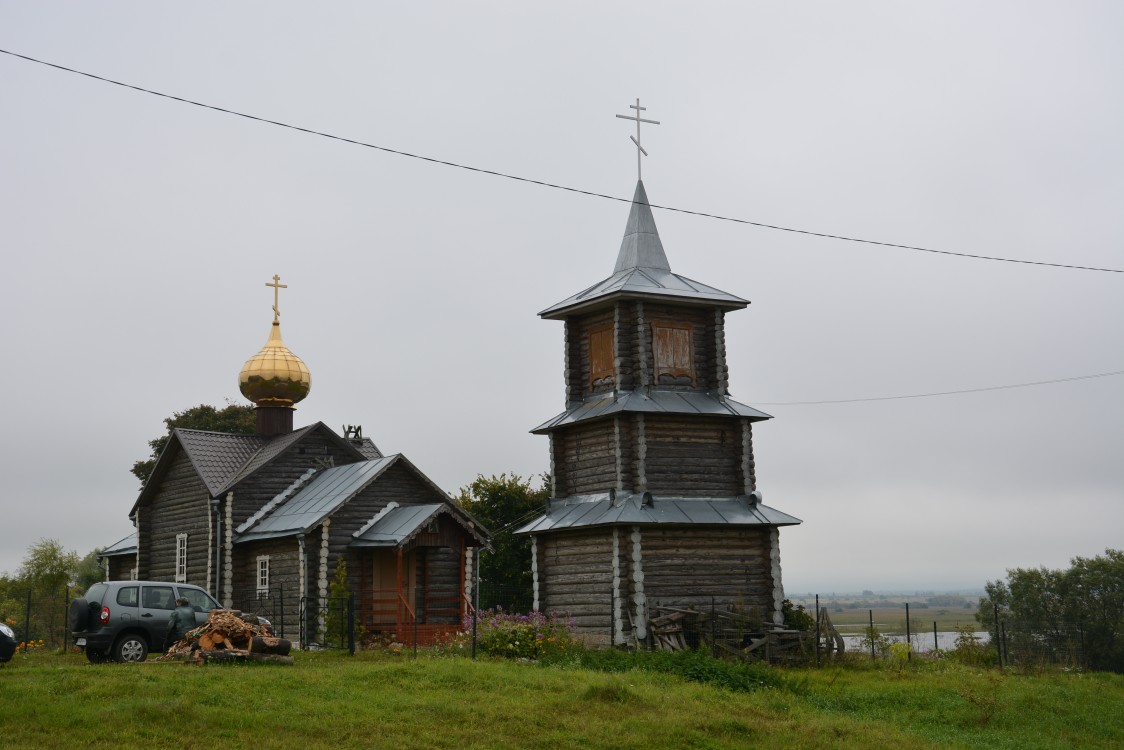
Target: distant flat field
x,y
892,619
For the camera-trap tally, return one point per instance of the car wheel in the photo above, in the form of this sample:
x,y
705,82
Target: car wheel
x,y
130,649
79,615
95,656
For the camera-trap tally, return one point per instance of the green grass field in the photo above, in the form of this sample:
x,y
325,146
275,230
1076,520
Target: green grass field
x,y
892,619
380,700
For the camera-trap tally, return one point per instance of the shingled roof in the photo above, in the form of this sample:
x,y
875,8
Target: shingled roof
x,y
222,459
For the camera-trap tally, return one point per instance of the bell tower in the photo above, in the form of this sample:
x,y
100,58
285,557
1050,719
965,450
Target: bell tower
x,y
654,480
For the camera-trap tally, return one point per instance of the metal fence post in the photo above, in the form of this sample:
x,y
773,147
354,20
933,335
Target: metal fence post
x,y
713,631
351,624
936,646
870,612
27,623
281,607
416,607
817,630
998,642
908,635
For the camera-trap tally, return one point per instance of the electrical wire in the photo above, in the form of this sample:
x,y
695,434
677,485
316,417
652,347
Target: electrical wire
x,y
555,186
940,393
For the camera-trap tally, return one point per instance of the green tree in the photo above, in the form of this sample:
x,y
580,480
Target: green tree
x,y
234,418
48,573
89,570
1053,614
503,504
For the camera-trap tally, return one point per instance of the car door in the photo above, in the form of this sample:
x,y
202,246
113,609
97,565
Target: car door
x,y
157,603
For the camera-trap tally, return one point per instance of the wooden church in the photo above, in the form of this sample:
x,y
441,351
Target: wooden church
x,y
654,489
263,520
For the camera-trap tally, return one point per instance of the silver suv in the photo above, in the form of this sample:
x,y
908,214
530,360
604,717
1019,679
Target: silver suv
x,y
124,620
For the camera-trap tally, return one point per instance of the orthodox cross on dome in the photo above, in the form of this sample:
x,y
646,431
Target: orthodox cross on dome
x,y
277,286
636,138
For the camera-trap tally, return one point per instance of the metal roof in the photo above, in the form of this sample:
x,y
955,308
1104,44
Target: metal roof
x,y
642,270
126,546
643,509
658,402
326,492
396,525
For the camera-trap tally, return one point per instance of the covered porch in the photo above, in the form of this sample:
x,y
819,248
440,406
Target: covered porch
x,y
415,572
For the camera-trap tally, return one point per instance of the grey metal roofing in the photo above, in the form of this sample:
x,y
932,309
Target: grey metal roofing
x,y
605,509
126,546
642,270
654,401
397,525
326,492
641,246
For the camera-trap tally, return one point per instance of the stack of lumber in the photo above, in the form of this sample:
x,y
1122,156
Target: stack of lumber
x,y
724,633
229,635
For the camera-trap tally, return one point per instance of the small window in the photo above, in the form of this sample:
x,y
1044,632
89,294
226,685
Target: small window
x,y
601,365
263,576
181,558
158,597
127,596
674,353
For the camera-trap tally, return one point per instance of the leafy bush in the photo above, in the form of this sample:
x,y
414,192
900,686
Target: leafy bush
x,y
531,636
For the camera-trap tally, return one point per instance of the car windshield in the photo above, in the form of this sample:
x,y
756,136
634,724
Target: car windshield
x,y
199,600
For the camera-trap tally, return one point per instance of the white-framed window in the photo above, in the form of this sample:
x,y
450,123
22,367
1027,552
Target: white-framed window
x,y
181,558
263,576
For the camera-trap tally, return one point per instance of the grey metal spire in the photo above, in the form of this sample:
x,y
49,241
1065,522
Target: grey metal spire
x,y
641,246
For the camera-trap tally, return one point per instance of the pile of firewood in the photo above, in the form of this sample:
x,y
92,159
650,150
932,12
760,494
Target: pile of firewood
x,y
229,635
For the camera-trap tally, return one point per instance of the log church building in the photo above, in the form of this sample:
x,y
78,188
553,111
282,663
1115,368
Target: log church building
x,y
263,520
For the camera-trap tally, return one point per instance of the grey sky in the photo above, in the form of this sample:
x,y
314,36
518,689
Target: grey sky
x,y
138,232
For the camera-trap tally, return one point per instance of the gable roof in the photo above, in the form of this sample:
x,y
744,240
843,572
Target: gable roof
x,y
317,500
398,524
221,459
126,546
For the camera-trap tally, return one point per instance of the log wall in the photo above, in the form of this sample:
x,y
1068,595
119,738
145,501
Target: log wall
x,y
693,457
576,577
284,582
314,451
180,506
585,458
687,566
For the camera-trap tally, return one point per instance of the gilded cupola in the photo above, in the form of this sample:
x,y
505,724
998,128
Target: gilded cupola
x,y
275,379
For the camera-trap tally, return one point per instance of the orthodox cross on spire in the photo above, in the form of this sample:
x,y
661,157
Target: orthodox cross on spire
x,y
277,287
636,138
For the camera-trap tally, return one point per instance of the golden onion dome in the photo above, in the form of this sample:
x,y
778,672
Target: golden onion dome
x,y
275,376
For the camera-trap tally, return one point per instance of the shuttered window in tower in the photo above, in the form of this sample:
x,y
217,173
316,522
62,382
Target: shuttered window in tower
x,y
601,368
674,354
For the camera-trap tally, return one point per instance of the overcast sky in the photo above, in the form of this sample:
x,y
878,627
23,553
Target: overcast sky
x,y
138,232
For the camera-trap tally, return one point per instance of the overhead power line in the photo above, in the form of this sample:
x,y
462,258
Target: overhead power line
x,y
552,185
940,393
